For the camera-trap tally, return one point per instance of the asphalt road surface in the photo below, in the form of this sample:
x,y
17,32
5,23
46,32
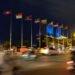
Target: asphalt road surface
x,y
47,65
44,65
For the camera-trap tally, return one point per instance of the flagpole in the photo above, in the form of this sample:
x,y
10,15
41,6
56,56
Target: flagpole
x,y
55,28
10,31
19,16
10,27
67,37
63,39
46,37
39,35
58,42
21,32
37,21
71,39
31,35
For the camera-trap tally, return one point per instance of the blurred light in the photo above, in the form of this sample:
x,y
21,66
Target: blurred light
x,y
70,62
74,34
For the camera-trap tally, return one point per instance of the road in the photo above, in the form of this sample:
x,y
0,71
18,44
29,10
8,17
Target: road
x,y
46,65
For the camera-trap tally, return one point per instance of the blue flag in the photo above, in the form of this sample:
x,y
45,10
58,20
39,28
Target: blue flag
x,y
50,29
58,32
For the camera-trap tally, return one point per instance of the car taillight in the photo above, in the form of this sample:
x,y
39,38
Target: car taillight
x,y
70,62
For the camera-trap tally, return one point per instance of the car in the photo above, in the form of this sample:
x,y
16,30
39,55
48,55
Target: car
x,y
44,51
29,55
53,51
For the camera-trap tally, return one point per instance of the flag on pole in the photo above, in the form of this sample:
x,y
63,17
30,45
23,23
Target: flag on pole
x,y
61,26
37,20
66,27
50,29
8,12
50,24
55,25
19,16
44,21
58,32
28,18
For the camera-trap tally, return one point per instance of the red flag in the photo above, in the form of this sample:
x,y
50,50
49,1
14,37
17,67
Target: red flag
x,y
55,24
29,18
19,16
7,12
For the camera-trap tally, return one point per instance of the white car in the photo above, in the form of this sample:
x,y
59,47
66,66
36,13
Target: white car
x,y
53,51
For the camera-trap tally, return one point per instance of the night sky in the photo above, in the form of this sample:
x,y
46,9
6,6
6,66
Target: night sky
x,y
61,11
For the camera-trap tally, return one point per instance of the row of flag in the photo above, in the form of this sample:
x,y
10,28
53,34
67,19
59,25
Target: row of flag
x,y
37,20
50,25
